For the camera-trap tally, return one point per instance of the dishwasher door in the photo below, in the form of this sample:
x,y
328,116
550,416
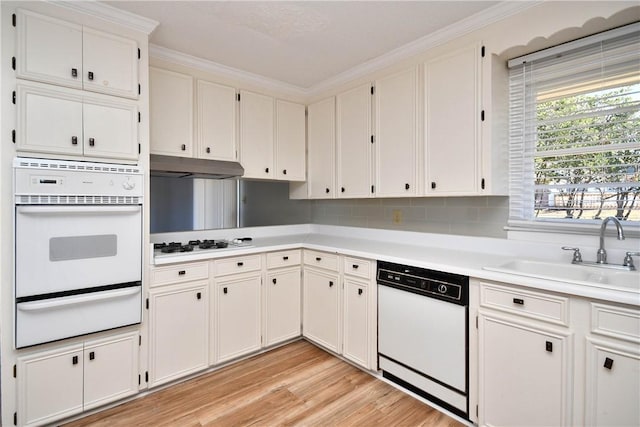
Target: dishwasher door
x,y
425,335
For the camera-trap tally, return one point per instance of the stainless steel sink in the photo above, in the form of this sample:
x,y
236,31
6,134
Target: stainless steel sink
x,y
570,273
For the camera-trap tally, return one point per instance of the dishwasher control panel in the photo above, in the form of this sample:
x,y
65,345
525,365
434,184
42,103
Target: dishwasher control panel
x,y
436,284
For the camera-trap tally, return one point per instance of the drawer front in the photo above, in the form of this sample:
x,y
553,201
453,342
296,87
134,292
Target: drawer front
x,y
358,267
615,322
235,265
540,306
283,258
321,259
179,273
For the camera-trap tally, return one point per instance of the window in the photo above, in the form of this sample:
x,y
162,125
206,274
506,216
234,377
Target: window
x,y
574,131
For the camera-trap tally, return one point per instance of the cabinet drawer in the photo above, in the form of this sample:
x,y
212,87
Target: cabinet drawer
x,y
283,258
242,264
357,267
541,306
615,322
321,259
179,273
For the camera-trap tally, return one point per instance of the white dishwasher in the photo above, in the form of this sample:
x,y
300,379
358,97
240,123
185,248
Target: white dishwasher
x,y
423,333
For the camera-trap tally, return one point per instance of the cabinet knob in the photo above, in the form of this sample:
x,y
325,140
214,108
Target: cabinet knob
x,y
199,295
90,75
208,150
182,273
549,346
330,283
318,258
240,264
518,301
74,140
284,171
74,72
407,186
608,363
183,147
326,190
359,291
274,280
355,266
74,360
92,355
285,258
224,290
92,142
342,189
433,185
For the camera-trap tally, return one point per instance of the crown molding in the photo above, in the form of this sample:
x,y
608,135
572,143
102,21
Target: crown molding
x,y
458,29
173,56
110,14
493,14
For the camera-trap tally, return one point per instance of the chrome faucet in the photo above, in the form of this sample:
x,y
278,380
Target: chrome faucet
x,y
602,254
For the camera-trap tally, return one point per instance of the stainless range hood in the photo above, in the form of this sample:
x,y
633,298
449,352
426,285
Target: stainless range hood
x,y
185,167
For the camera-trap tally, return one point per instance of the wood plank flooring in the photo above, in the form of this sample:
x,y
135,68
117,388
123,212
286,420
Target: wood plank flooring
x,y
295,385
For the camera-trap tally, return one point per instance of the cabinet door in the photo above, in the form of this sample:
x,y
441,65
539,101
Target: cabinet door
x,y
356,327
50,385
48,50
353,121
178,319
110,64
237,314
110,129
452,123
110,370
49,120
321,131
290,141
321,308
282,308
256,135
171,110
524,375
216,121
612,385
395,142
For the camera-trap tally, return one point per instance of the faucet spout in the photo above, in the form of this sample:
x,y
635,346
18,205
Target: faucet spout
x,y
602,253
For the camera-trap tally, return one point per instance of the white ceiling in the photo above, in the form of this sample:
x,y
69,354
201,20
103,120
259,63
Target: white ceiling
x,y
298,43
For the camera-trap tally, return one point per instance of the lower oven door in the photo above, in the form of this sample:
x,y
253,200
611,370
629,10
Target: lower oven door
x,y
53,319
69,248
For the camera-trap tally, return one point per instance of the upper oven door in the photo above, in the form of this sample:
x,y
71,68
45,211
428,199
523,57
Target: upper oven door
x,y
69,248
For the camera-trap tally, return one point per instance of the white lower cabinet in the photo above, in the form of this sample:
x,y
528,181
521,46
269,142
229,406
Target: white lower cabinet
x,y
282,305
237,316
356,321
524,375
321,308
59,383
179,331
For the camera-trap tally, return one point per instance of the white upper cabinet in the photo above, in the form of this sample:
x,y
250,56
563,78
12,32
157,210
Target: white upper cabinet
x,y
321,151
395,136
452,123
290,141
353,121
216,121
58,52
171,110
256,135
70,122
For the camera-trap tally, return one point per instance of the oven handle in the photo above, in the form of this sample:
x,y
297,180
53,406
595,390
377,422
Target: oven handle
x,y
79,299
78,209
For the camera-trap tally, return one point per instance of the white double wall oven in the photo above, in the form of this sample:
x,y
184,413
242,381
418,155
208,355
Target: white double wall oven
x,y
78,248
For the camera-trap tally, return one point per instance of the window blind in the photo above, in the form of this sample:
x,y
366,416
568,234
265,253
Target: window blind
x,y
574,130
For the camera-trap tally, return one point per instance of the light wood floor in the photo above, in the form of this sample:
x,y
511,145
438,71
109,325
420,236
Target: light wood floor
x,y
297,384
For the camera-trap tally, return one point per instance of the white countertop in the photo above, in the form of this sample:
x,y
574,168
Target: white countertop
x,y
437,252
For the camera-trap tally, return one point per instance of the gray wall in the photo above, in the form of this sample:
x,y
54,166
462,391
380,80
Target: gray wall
x,y
471,216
